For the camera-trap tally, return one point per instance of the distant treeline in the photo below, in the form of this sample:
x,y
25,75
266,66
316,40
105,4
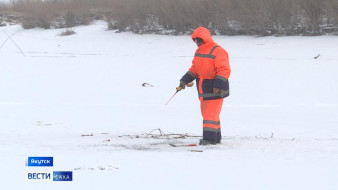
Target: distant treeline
x,y
229,17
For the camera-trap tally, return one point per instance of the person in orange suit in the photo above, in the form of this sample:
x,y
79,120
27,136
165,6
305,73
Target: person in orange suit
x,y
211,69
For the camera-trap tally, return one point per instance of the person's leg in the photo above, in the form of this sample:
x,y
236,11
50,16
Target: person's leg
x,y
211,110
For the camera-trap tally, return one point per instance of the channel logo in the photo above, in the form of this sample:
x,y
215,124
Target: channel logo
x,y
62,176
50,176
40,162
39,176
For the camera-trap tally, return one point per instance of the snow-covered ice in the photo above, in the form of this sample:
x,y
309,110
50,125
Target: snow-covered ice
x,y
279,125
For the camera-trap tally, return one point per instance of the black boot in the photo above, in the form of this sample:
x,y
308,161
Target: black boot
x,y
207,142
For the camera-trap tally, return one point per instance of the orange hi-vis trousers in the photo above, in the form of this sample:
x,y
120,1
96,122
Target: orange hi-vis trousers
x,y
211,110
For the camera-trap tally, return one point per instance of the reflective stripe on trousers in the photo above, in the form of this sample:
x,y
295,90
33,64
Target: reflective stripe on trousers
x,y
211,110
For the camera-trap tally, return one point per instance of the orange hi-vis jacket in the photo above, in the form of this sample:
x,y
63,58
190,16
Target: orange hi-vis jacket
x,y
210,67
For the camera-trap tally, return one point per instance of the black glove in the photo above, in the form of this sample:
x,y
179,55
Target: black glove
x,y
181,86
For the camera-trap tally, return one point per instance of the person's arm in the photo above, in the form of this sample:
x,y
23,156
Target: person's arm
x,y
223,70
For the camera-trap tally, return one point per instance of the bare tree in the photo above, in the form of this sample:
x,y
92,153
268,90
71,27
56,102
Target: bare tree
x,y
313,12
332,13
253,17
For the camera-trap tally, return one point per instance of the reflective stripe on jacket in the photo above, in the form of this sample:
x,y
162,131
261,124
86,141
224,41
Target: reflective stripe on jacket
x,y
210,67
